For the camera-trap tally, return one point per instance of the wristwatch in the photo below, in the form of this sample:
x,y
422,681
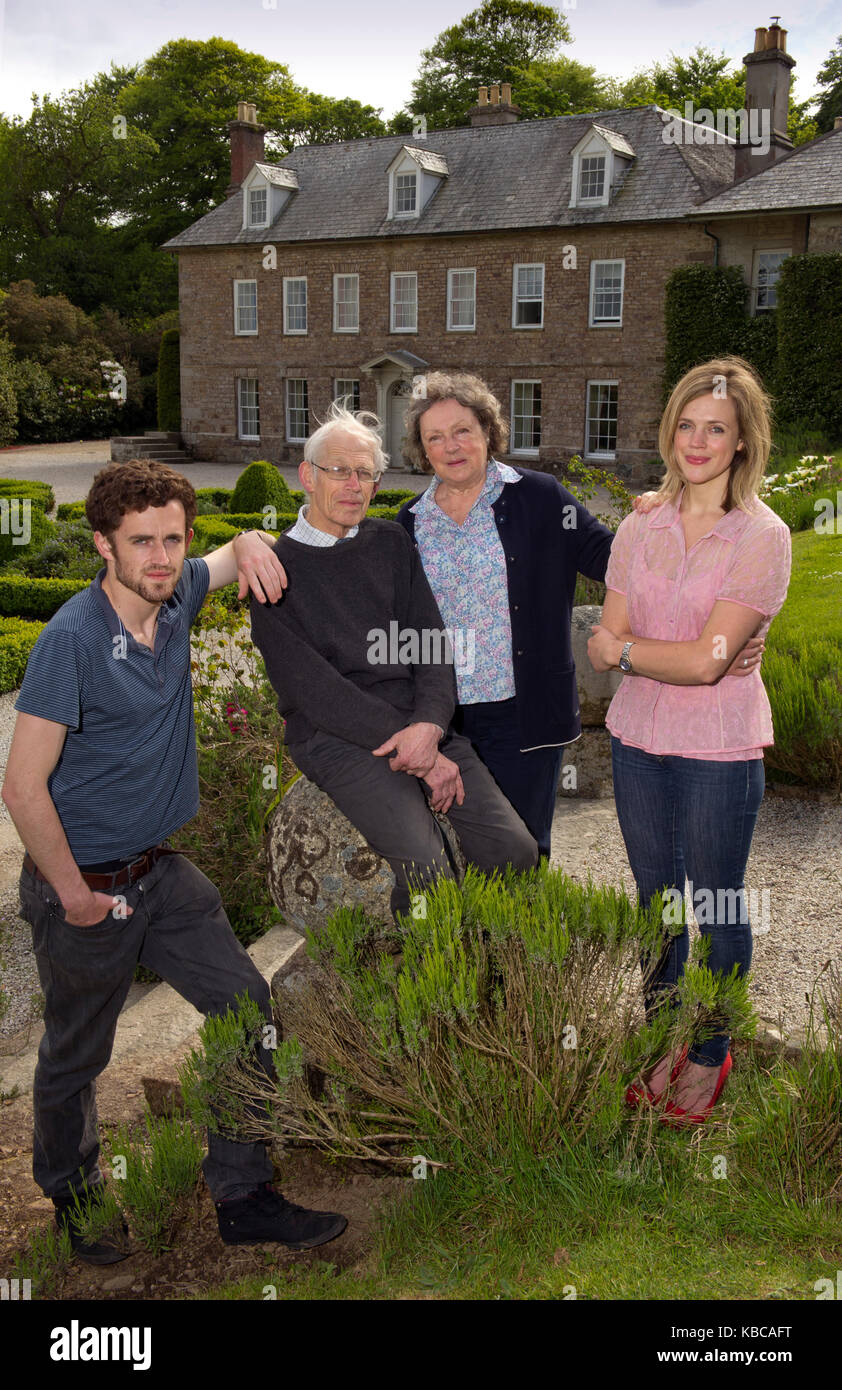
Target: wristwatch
x,y
625,663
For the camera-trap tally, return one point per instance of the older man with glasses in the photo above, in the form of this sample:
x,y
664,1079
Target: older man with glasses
x,y
366,691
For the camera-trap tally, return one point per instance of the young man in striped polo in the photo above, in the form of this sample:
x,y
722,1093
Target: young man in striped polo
x,y
102,769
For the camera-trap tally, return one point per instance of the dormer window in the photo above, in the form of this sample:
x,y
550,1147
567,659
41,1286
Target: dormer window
x,y
601,160
267,189
258,207
406,194
414,176
591,178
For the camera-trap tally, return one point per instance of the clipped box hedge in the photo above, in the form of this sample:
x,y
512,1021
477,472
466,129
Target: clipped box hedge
x,y
39,493
17,638
23,597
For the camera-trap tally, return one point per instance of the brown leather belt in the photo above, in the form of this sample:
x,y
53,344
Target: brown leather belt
x,y
104,883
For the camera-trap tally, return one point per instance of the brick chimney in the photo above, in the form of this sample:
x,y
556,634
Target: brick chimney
x,y
495,106
768,76
246,143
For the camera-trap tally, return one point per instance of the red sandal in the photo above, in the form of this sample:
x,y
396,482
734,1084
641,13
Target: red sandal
x,y
674,1115
638,1092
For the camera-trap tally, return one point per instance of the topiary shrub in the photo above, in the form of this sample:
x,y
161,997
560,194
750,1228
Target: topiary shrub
x,y
17,639
810,340
258,486
169,381
41,494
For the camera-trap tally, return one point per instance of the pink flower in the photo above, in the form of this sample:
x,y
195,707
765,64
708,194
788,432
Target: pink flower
x,y
236,725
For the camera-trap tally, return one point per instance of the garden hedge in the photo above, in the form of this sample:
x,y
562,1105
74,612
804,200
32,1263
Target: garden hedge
x,y
23,597
810,340
17,638
40,493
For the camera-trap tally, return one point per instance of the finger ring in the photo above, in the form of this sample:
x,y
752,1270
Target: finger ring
x,y
745,661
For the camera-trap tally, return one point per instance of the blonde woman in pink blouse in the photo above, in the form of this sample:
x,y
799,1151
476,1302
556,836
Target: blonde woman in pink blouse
x,y
688,584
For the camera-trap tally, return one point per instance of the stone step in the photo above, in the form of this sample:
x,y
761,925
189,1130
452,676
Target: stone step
x,y
158,1021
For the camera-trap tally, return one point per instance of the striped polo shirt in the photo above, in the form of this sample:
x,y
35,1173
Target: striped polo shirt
x,y
128,774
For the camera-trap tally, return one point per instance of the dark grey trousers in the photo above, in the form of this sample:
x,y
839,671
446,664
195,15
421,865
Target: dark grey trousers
x,y
390,810
178,929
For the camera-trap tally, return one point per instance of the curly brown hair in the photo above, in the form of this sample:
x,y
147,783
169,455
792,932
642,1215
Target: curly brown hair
x,y
132,487
469,391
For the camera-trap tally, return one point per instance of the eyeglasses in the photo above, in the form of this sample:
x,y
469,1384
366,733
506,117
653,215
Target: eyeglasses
x,y
342,474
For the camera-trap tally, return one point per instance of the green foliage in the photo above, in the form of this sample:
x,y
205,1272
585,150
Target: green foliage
x,y
68,554
17,638
243,769
210,532
169,382
810,340
23,597
505,1022
491,44
705,317
45,1260
8,394
219,496
40,494
801,496
583,479
162,1172
33,527
258,486
558,87
830,77
802,667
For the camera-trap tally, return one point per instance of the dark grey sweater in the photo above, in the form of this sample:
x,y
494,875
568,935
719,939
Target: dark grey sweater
x,y
320,642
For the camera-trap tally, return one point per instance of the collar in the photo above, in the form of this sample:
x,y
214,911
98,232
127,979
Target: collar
x,y
504,473
729,527
311,535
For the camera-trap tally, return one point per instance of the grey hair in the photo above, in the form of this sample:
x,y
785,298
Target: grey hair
x,y
362,424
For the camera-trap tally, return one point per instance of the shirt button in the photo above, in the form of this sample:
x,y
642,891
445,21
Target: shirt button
x,y
512,559
520,651
516,608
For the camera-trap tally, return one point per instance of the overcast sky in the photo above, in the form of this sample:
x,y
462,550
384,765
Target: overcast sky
x,y
370,49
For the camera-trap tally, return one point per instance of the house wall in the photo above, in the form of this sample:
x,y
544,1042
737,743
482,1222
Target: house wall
x,y
825,232
563,354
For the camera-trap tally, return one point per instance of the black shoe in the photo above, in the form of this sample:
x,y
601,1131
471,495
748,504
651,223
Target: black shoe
x,y
264,1215
108,1250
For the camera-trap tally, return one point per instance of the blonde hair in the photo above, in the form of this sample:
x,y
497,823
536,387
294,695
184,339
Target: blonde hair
x,y
735,379
472,393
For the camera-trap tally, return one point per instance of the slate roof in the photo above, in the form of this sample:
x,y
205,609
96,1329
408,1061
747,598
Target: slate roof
x,y
501,178
425,159
278,175
809,177
617,142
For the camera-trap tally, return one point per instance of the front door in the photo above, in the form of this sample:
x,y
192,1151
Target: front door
x,y
399,399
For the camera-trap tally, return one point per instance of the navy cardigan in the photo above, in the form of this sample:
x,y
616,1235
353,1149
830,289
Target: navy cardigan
x,y
548,538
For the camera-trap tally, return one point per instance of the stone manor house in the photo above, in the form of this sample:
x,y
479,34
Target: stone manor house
x,y
533,253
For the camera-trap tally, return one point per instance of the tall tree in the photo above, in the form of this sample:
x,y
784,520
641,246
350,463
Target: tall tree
x,y
559,87
830,101
491,44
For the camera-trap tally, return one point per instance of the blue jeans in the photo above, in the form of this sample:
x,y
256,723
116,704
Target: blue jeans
x,y
693,818
529,781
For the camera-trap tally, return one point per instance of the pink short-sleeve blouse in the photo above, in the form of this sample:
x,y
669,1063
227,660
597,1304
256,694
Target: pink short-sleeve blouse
x,y
745,558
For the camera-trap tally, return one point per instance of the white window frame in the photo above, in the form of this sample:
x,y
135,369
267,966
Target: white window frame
x,y
532,451
406,174
337,301
242,406
354,393
461,327
393,278
517,299
582,200
600,453
288,409
755,274
593,321
264,221
294,280
241,308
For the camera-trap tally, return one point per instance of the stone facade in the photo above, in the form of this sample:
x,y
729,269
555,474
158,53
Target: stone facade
x,y
564,354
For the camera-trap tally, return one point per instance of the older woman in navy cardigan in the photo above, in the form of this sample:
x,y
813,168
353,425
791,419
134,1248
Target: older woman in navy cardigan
x,y
501,547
